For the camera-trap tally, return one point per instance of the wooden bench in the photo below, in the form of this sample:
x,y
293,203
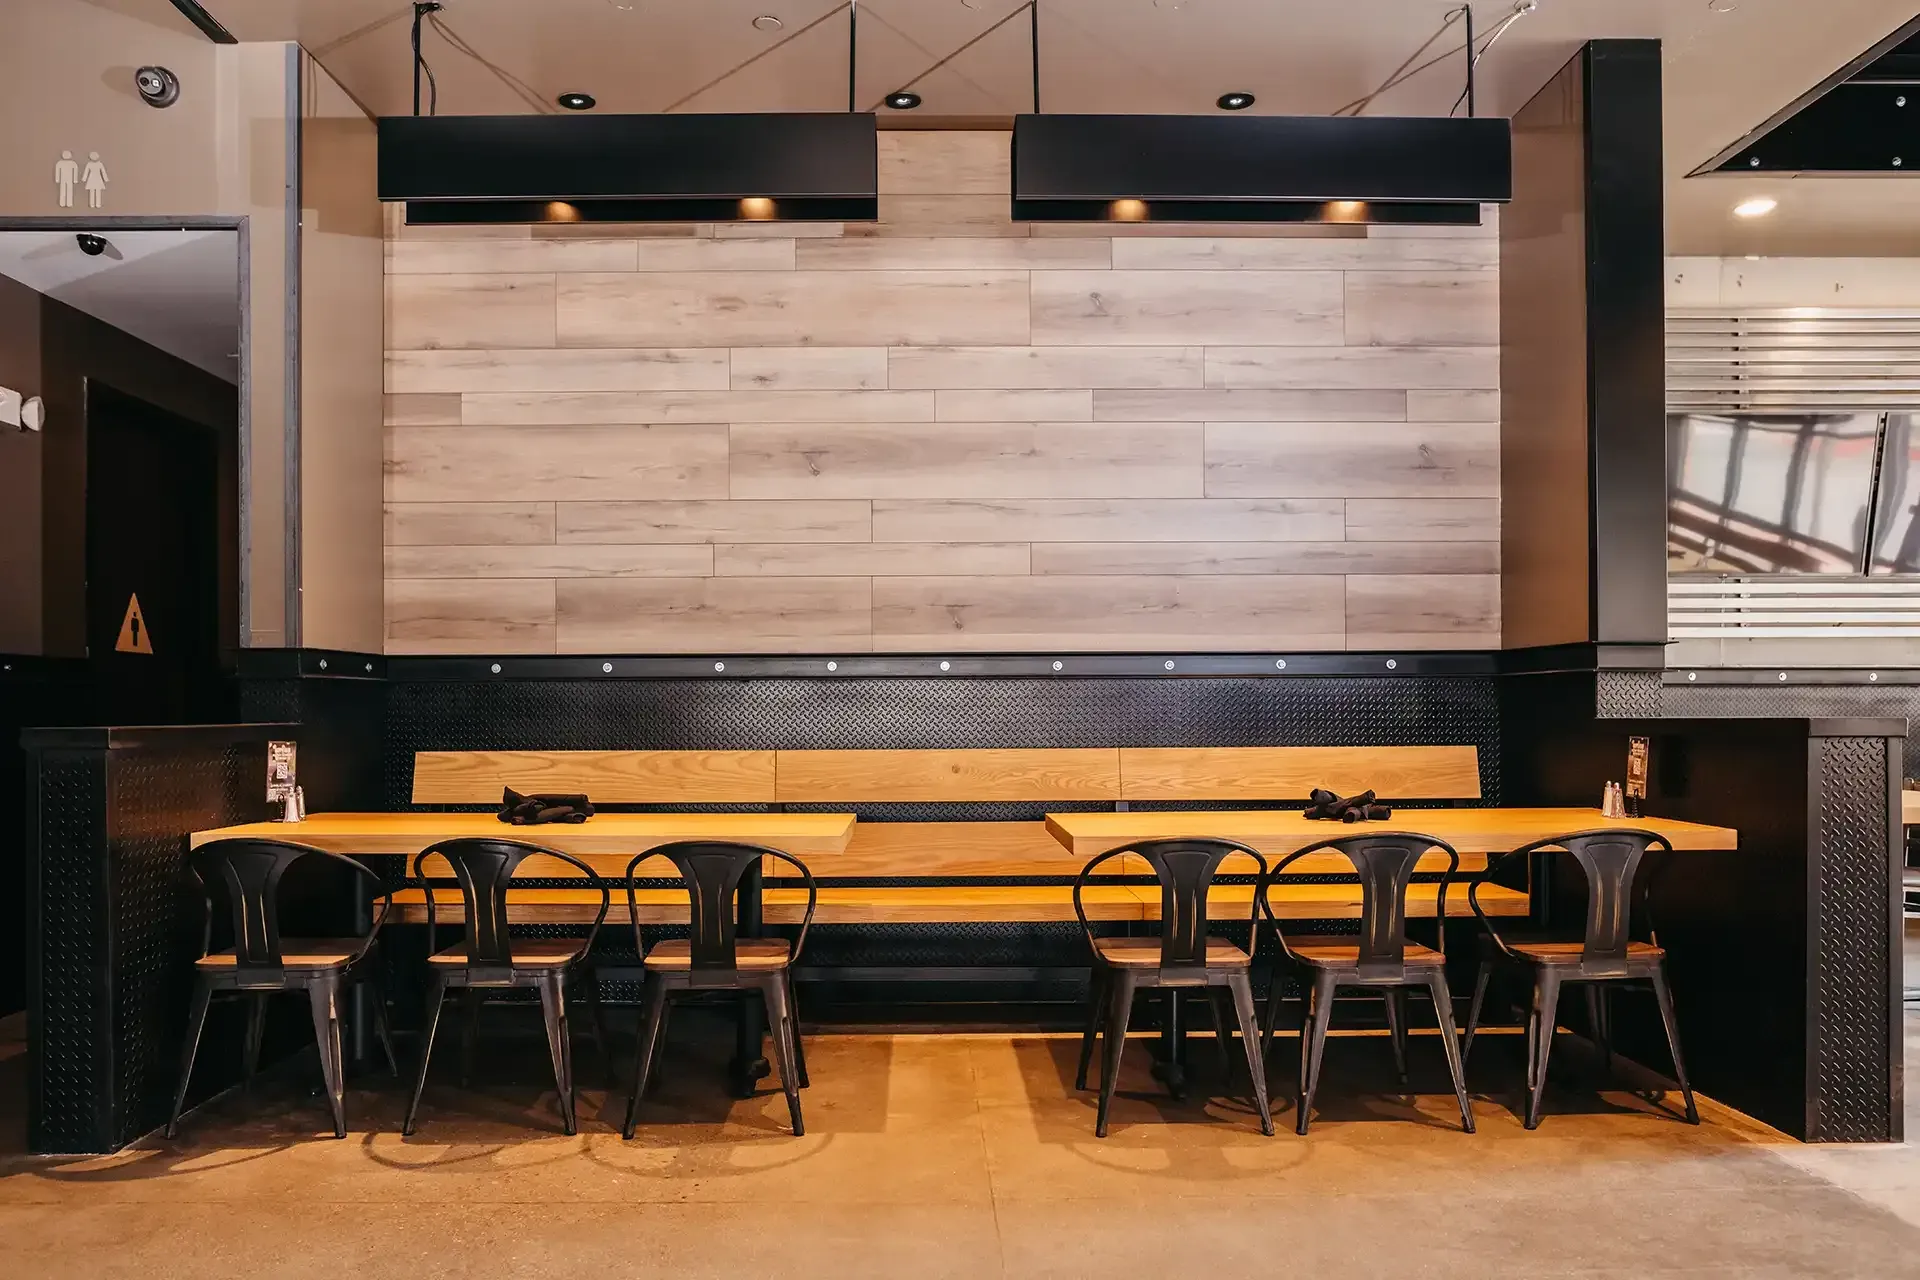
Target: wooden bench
x,y
958,862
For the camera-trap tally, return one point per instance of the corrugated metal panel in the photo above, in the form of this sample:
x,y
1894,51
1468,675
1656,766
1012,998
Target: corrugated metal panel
x,y
1792,358
1792,608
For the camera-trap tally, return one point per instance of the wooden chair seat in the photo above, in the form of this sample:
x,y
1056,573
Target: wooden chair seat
x,y
1144,953
298,953
528,953
751,953
1344,953
1571,952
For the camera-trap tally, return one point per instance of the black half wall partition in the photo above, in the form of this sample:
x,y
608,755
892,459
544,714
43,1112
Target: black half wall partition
x,y
789,167
1352,169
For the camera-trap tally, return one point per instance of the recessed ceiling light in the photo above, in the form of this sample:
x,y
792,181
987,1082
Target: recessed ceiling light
x,y
1723,6
576,101
1757,207
904,100
1234,101
767,22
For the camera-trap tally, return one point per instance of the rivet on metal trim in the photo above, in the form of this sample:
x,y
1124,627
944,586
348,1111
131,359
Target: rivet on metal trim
x,y
719,666
323,664
1169,664
1279,664
496,668
833,666
1058,665
1783,675
1393,664
607,667
1693,675
946,666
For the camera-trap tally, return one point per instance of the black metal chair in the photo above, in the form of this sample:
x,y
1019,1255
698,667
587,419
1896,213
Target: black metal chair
x,y
262,962
712,958
1182,956
1605,956
1381,955
492,959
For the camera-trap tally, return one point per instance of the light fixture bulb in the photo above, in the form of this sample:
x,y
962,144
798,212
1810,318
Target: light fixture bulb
x,y
1756,207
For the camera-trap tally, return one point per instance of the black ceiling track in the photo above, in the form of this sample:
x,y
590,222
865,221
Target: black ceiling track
x,y
209,25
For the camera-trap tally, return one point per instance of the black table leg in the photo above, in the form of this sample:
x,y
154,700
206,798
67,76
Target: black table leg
x,y
359,997
749,1065
1171,1069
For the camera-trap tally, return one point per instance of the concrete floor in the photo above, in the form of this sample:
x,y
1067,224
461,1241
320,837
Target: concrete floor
x,y
966,1156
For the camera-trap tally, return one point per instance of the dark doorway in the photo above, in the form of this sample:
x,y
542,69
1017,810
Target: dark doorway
x,y
153,520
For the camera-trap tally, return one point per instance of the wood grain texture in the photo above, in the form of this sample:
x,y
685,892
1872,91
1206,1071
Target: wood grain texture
x,y
1045,368
965,459
563,561
1251,406
553,370
1454,406
1174,308
1426,611
1426,519
457,524
1131,559
721,521
823,308
1357,368
492,464
1423,308
515,409
809,368
1053,774
702,615
469,615
1104,613
421,410
1292,773
1013,406
889,849
940,215
1375,459
802,834
1299,253
473,311
951,253
1344,901
1138,520
715,255
504,257
872,559
945,162
608,777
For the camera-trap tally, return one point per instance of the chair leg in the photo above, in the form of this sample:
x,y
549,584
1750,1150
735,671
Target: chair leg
x,y
1313,1044
1450,1044
1396,1002
256,1032
470,1035
324,995
646,1051
1096,1008
1546,1000
196,1020
1597,1027
1120,986
780,1021
799,1045
1270,1031
381,1026
436,1000
1664,995
589,978
553,1008
1220,1005
1240,988
1473,1010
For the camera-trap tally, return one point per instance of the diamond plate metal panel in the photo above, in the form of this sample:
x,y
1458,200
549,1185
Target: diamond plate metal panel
x,y
1626,695
1751,700
67,1070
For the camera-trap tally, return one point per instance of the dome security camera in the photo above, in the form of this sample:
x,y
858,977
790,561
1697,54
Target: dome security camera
x,y
157,86
91,245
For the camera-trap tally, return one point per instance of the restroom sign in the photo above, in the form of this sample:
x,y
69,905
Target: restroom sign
x,y
133,630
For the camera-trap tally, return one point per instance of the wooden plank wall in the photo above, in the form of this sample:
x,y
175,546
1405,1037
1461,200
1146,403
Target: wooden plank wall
x,y
945,431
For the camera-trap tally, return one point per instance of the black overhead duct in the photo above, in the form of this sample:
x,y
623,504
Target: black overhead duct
x,y
1362,169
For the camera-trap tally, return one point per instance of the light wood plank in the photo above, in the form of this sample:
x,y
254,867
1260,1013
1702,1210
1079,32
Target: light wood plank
x,y
554,369
483,464
809,368
1250,406
1390,611
606,834
433,312
891,849
952,253
965,460
827,308
1488,228
475,524
722,521
565,561
1131,520
871,559
700,615
1345,901
1000,904
1181,558
1294,253
1355,368
507,257
941,215
715,255
698,406
1013,406
421,410
1374,460
1100,613
607,777
874,777
945,162
1167,308
775,230
1453,406
1423,308
470,615
1424,519
1292,773
1045,368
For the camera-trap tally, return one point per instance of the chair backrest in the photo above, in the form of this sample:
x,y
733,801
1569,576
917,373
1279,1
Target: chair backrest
x,y
1611,859
711,870
483,867
1185,868
250,870
1384,862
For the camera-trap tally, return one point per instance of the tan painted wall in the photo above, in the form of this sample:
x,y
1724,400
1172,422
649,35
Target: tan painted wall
x,y
944,432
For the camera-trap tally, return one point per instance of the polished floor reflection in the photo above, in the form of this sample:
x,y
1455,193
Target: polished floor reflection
x,y
948,1155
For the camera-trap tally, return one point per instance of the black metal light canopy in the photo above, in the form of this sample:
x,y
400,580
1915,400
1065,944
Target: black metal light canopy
x,y
1359,169
791,167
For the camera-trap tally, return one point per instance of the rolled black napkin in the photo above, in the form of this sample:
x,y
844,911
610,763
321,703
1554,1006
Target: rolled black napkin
x,y
532,811
1328,807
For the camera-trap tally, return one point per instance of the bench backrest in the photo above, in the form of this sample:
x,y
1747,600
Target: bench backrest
x,y
609,777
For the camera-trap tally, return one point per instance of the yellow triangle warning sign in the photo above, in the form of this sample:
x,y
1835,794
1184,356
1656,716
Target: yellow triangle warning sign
x,y
133,630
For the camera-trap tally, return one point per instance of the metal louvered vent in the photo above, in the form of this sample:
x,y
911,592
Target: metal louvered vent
x,y
1793,609
1793,358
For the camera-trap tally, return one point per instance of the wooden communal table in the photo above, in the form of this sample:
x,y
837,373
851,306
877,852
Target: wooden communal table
x,y
1910,808
1474,833
605,842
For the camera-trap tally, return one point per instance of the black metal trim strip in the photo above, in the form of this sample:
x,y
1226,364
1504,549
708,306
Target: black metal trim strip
x,y
99,737
1790,677
209,25
323,664
1583,657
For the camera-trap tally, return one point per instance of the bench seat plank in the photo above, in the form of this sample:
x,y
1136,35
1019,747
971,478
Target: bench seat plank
x,y
1277,832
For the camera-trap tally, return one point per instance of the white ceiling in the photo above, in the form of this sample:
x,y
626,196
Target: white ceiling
x,y
178,290
1726,71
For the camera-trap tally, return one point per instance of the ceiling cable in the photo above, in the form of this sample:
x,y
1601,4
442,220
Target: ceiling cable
x,y
421,9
